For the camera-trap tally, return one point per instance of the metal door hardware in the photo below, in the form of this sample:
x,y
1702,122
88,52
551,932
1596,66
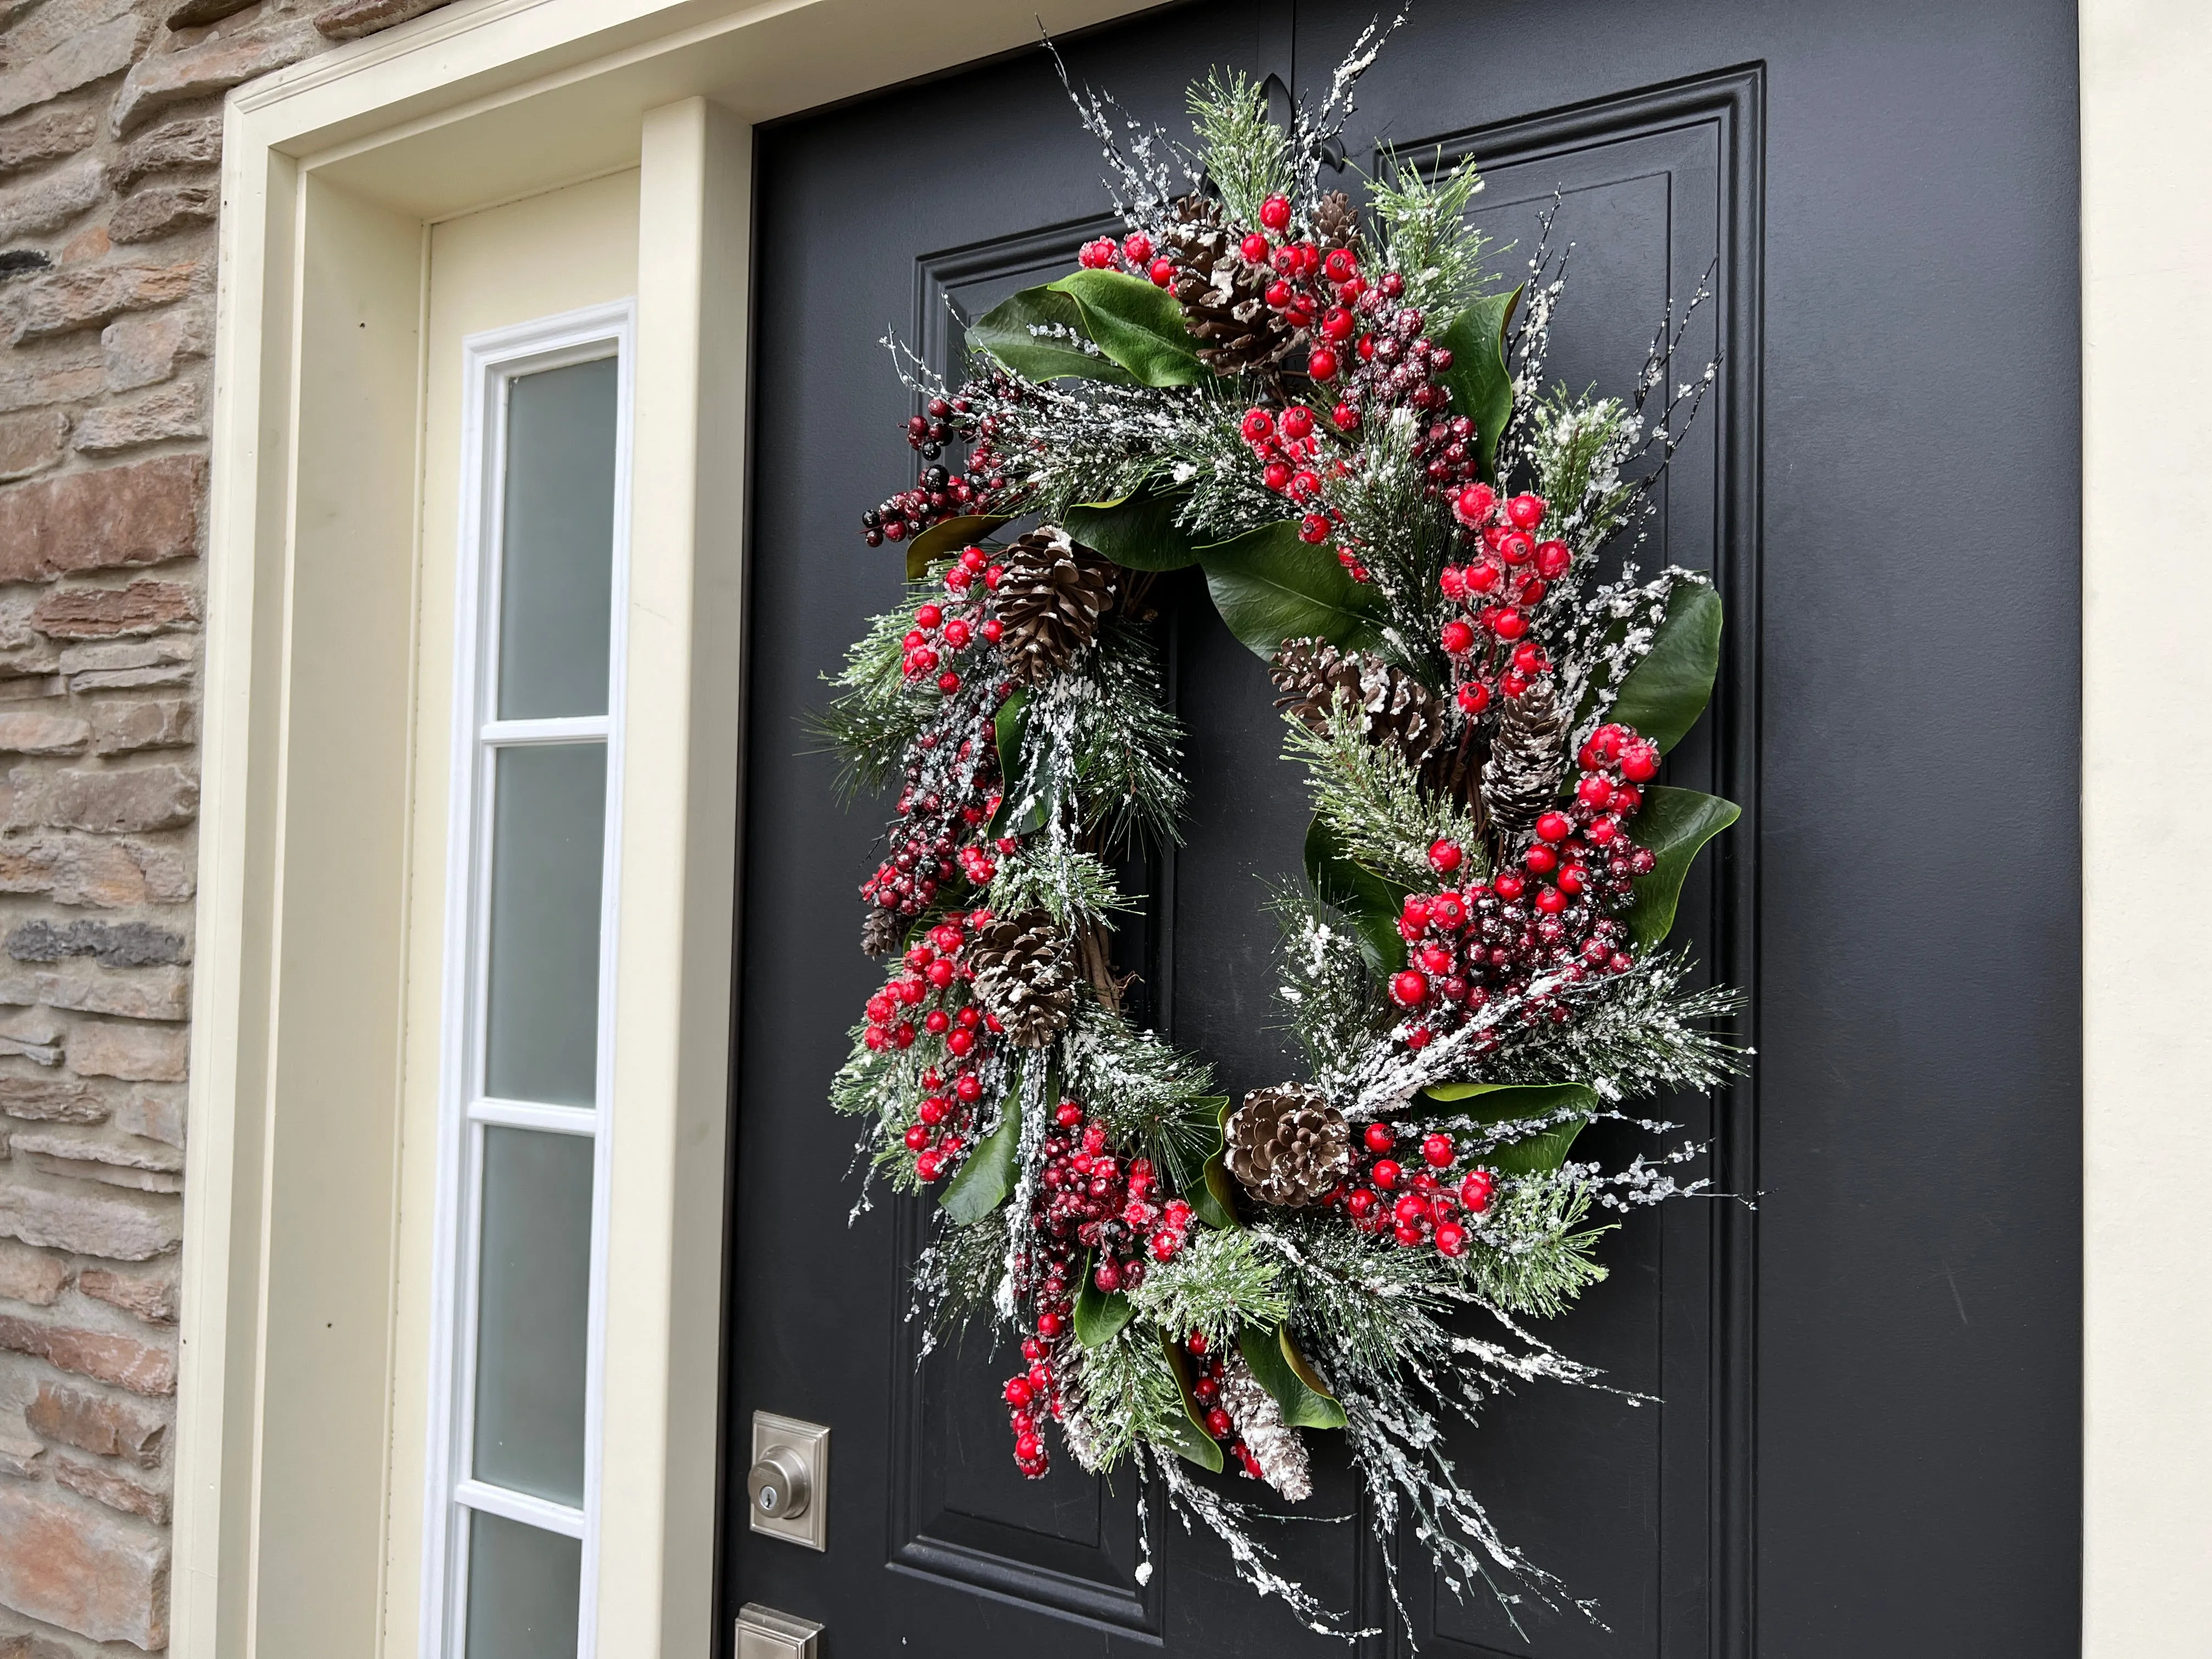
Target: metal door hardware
x,y
787,1489
765,1633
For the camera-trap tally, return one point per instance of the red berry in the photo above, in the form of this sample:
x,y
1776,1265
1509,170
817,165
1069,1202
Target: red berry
x,y
917,1137
928,617
1275,213
1321,364
1107,1276
1410,989
1017,1391
1554,826
1594,791
1551,901
1525,512
1344,417
1339,266
1254,247
1457,638
1162,272
1361,1203
1379,1138
1437,1151
926,1168
1137,247
1508,624
1451,1238
1444,856
1474,503
1472,698
1336,324
1258,424
1553,559
1639,762
1298,421
1312,528
1218,1423
1277,295
1049,1324
1384,1175
1407,1234
1474,1191
1540,859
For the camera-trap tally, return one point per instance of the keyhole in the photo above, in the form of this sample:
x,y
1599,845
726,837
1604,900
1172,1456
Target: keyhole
x,y
768,1500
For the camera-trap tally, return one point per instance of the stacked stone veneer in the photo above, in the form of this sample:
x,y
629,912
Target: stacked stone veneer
x,y
110,138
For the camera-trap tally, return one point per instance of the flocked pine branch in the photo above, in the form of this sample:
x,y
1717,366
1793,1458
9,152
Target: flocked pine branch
x,y
1425,236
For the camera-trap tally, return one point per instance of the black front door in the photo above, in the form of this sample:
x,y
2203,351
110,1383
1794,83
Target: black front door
x,y
1868,1358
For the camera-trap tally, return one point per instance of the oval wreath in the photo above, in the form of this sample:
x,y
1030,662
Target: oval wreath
x,y
1340,421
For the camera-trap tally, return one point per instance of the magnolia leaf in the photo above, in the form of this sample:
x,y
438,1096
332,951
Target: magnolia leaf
x,y
983,1183
1007,331
1481,387
947,536
1538,1154
1282,1370
1098,1317
1270,586
1663,694
1137,325
1371,903
1010,727
1186,1434
1137,532
1674,823
1214,1200
1503,1102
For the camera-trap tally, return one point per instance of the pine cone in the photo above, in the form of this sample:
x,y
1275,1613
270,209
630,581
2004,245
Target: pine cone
x,y
1288,1145
1334,222
1225,300
1278,1450
1527,757
1052,593
1399,712
1025,976
881,930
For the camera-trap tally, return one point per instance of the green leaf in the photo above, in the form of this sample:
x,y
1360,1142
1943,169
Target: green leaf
x,y
1188,1435
1270,586
1098,1317
983,1183
947,536
1372,903
1004,331
1137,532
1481,388
1010,726
1215,1202
1665,693
1137,325
1501,1102
1538,1154
1674,823
1282,1370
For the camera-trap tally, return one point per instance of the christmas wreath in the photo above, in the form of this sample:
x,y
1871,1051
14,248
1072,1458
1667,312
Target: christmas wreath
x,y
1340,419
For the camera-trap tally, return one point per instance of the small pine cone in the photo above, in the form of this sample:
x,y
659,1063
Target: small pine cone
x,y
1276,1446
1288,1145
1225,300
1334,222
1025,976
1527,757
1052,593
881,930
1400,711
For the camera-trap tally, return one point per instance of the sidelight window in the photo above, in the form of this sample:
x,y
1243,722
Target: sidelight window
x,y
527,1039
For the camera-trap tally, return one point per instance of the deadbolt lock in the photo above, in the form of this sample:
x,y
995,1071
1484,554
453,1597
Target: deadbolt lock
x,y
787,1488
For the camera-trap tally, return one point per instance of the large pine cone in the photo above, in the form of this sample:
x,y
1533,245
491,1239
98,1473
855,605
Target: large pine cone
x,y
1225,300
1053,592
1288,1145
1399,712
1026,975
1527,757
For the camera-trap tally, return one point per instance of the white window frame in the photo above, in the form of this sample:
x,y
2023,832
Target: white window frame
x,y
492,362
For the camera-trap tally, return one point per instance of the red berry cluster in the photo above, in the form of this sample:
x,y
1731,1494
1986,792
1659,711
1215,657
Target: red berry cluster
x,y
1206,1387
1035,1389
931,985
1288,448
1559,912
1091,1202
1496,591
941,492
1312,287
1417,1206
1134,254
961,622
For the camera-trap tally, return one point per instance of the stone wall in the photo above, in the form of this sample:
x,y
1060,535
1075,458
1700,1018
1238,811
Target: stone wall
x,y
110,135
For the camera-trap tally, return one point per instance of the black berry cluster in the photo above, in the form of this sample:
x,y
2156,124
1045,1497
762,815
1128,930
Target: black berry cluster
x,y
942,492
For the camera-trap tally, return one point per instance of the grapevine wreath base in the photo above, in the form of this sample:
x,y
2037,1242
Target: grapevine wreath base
x,y
1339,418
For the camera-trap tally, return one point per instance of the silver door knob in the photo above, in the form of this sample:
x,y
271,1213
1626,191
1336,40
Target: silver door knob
x,y
778,1484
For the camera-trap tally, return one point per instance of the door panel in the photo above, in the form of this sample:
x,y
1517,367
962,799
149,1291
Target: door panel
x,y
1841,1457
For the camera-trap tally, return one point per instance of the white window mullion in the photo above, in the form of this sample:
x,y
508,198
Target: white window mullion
x,y
523,1186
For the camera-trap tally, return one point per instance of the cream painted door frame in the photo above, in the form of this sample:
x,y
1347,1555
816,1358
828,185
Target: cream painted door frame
x,y
292,1346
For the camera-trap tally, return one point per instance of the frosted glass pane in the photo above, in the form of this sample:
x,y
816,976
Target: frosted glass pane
x,y
522,1591
556,561
533,1298
549,826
